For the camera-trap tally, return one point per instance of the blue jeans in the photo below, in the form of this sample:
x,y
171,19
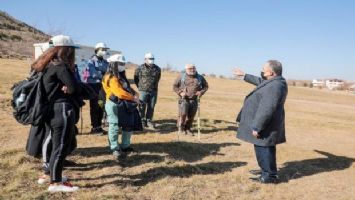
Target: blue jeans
x,y
149,99
266,157
113,129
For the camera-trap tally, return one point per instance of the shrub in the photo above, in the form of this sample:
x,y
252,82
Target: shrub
x,y
16,37
3,36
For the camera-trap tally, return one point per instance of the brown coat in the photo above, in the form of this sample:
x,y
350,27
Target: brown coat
x,y
190,85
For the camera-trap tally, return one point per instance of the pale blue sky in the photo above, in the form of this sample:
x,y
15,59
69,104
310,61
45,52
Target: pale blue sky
x,y
312,38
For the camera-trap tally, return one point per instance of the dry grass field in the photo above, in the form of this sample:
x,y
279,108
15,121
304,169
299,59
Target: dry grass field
x,y
317,162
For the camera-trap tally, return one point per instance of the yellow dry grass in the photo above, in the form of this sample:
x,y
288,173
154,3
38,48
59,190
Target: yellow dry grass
x,y
317,162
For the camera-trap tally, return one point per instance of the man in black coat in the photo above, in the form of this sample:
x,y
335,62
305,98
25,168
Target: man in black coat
x,y
262,118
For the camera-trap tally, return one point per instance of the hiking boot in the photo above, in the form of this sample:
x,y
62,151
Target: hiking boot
x,y
116,153
144,124
119,154
62,187
99,131
46,179
150,125
263,180
255,172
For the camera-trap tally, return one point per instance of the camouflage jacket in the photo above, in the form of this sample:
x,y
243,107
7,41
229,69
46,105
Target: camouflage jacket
x,y
147,78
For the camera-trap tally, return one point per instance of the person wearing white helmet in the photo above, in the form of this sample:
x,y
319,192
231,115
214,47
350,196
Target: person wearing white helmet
x,y
147,77
117,90
97,68
57,65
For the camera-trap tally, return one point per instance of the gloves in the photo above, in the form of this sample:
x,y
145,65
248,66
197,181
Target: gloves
x,y
101,103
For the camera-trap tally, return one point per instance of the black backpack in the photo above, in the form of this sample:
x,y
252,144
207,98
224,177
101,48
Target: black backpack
x,y
30,104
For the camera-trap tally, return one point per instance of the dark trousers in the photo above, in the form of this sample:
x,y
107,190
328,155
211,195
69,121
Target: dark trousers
x,y
96,112
149,99
47,146
47,150
266,157
61,123
187,112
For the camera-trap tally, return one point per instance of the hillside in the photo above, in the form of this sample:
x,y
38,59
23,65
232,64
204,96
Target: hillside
x,y
17,38
317,162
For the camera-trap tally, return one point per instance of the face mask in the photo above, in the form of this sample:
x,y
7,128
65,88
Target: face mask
x,y
102,54
263,76
150,61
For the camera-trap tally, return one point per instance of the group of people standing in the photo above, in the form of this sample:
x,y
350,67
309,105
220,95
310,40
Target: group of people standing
x,y
104,83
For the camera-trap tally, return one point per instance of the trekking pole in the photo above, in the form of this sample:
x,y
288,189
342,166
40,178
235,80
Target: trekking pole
x,y
198,120
178,132
81,120
179,120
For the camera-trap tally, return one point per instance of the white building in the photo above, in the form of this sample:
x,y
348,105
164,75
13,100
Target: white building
x,y
334,84
318,83
352,88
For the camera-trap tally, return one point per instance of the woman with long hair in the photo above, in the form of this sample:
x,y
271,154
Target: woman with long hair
x,y
57,65
116,85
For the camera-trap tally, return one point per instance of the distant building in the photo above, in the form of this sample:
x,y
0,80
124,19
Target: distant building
x,y
334,84
352,88
318,83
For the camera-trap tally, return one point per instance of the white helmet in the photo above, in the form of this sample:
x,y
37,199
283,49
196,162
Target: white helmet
x,y
101,45
62,41
117,58
149,59
149,55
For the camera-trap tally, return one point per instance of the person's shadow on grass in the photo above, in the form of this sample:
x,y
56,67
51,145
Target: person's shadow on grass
x,y
155,174
186,151
165,126
299,169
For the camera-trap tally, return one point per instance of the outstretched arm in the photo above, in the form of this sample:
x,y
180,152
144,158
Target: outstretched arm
x,y
253,79
247,77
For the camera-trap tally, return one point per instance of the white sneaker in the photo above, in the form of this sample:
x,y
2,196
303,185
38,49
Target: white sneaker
x,y
45,179
63,187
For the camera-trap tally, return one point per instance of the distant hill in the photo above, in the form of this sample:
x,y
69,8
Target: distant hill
x,y
17,38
